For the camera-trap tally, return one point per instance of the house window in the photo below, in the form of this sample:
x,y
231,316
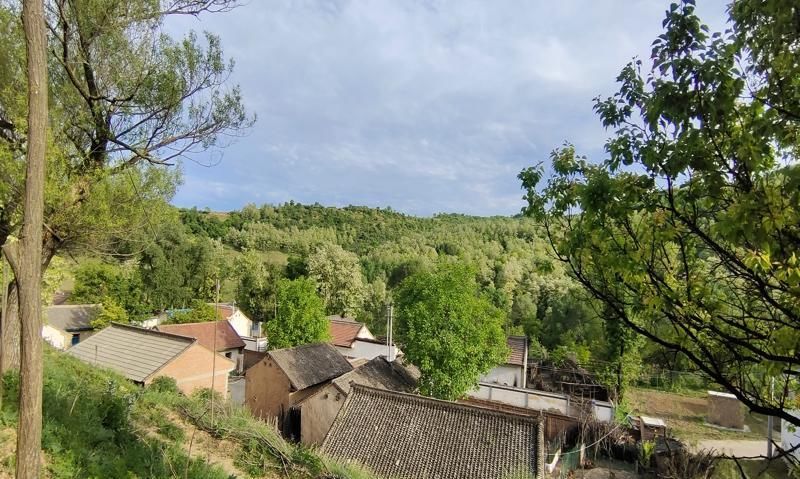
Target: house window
x,y
228,354
76,338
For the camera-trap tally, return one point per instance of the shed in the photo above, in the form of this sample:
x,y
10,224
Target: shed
x,y
142,355
725,409
68,324
285,377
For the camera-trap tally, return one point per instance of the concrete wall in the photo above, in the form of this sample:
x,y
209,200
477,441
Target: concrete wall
x,y
255,344
790,434
267,390
318,413
366,350
506,375
526,398
603,411
192,370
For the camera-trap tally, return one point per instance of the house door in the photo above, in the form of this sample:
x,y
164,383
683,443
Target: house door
x,y
76,338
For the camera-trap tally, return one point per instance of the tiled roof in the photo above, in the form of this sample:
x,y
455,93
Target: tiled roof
x,y
405,436
225,310
204,333
380,373
71,317
136,353
344,333
310,364
518,345
339,317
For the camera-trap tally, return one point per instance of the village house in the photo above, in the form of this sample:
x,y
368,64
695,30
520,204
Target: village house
x,y
142,355
355,341
67,325
217,336
318,411
405,436
284,377
514,372
246,328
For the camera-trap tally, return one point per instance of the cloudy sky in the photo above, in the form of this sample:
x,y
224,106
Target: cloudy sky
x,y
423,105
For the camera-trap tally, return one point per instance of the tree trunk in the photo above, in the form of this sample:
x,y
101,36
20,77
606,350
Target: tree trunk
x,y
9,335
26,256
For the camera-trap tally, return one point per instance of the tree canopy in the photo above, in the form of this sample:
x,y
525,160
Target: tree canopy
x,y
300,316
445,328
688,232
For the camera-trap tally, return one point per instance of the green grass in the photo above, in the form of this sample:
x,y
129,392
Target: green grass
x,y
99,425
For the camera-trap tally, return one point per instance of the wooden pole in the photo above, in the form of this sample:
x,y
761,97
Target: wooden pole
x,y
214,357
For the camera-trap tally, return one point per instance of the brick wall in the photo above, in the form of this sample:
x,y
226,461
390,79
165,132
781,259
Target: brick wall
x,y
192,370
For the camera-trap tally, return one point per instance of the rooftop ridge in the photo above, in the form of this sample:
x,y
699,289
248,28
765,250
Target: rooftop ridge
x,y
441,403
186,339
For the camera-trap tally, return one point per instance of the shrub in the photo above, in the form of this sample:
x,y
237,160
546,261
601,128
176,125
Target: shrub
x,y
164,384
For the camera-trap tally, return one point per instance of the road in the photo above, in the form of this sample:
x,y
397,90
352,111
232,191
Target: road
x,y
734,448
236,390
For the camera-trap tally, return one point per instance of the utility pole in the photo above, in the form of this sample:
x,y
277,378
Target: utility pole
x,y
214,352
389,326
770,419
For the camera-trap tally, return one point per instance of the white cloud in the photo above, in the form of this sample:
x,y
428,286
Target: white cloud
x,y
426,106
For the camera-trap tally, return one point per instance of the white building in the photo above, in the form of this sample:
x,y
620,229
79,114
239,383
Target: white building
x,y
790,435
355,341
514,372
68,324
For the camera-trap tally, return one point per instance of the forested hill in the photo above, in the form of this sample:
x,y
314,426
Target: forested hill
x,y
509,255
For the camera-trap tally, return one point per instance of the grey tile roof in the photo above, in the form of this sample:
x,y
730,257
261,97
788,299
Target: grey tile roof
x,y
380,373
406,436
310,364
71,317
136,353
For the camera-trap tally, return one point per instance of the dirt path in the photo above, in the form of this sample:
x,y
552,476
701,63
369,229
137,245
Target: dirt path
x,y
734,448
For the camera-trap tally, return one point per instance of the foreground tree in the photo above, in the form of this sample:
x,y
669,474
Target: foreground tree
x,y
300,316
127,101
445,328
25,256
689,232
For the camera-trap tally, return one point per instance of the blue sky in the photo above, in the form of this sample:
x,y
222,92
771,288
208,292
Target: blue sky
x,y
425,106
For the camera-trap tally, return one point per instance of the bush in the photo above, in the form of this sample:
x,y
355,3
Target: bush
x,y
164,384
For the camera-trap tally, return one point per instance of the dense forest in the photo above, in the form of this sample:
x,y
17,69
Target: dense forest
x,y
358,258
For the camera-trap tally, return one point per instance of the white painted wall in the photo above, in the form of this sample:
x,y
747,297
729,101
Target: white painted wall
x,y
790,434
241,323
505,375
53,336
527,398
255,344
367,350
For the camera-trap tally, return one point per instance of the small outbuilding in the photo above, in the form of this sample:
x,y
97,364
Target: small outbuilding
x,y
725,410
142,355
284,377
318,411
68,324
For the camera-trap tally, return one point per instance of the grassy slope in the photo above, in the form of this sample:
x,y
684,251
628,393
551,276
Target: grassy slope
x,y
99,425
